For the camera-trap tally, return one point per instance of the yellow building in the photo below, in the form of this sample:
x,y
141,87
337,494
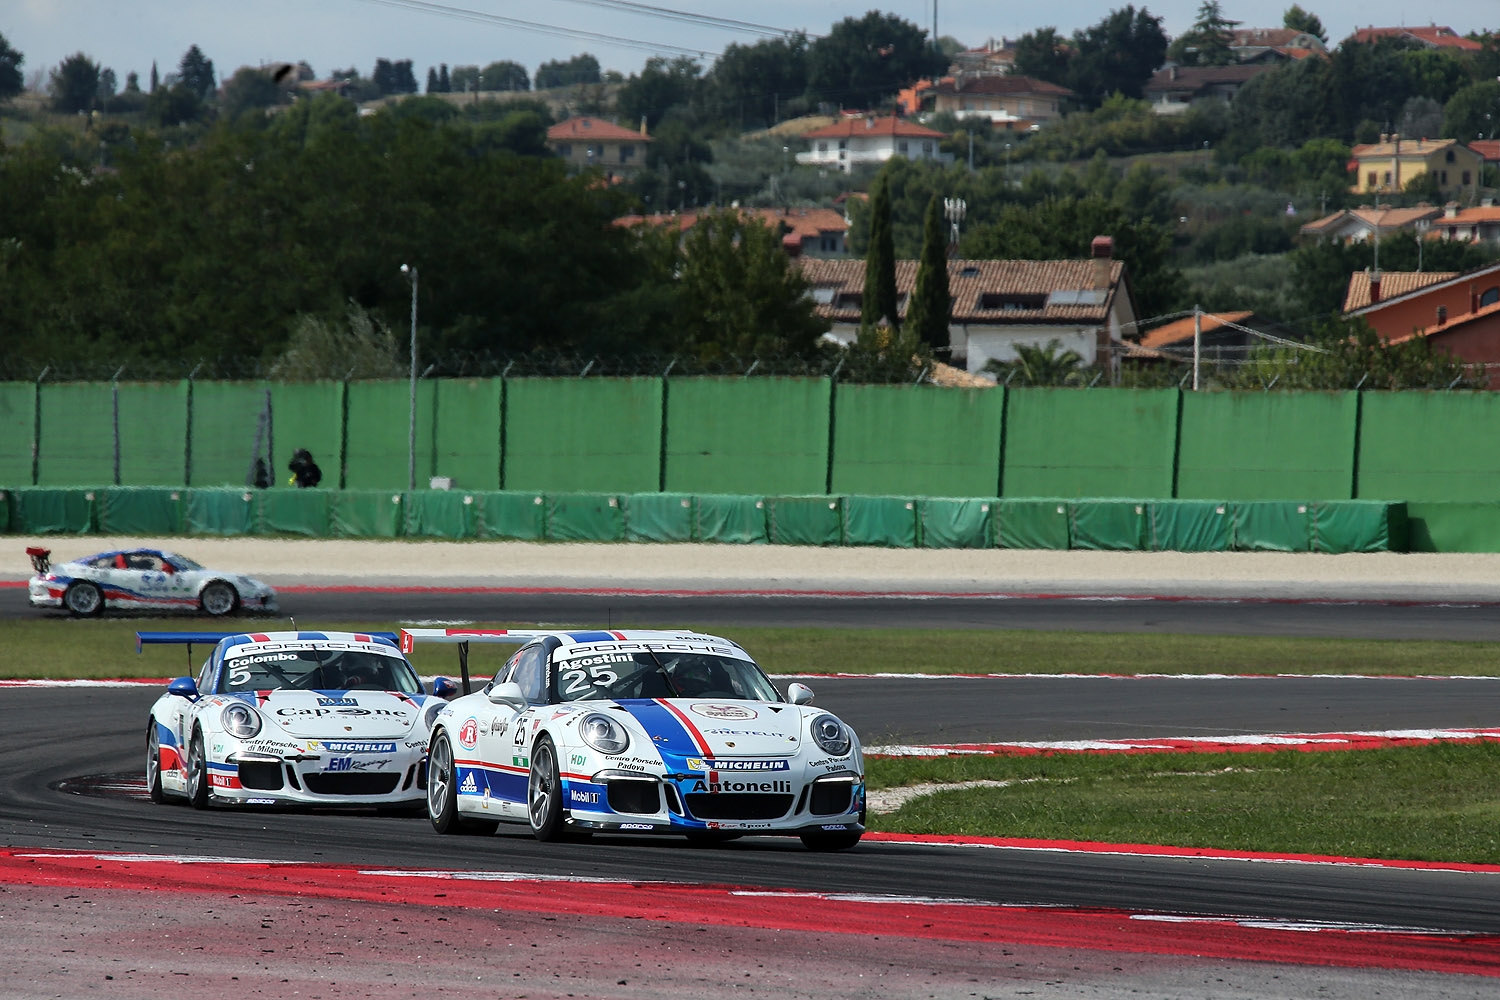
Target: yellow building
x,y
593,142
1390,165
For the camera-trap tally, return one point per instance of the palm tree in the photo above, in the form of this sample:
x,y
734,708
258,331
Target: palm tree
x,y
1050,365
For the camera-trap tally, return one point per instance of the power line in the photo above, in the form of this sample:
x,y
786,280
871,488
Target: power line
x,y
707,20
463,14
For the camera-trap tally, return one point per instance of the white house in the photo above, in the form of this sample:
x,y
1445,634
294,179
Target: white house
x,y
853,141
1085,305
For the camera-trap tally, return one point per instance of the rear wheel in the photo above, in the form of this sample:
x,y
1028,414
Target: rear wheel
x,y
153,763
84,600
831,840
197,772
442,793
218,599
544,792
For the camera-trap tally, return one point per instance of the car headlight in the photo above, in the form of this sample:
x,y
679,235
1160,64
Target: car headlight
x,y
831,735
603,733
240,721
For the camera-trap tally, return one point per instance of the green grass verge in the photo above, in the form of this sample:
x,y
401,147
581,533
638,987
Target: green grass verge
x,y
1429,803
57,646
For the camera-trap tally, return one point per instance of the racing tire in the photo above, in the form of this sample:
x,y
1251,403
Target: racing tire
x,y
218,599
197,772
442,793
831,840
84,600
153,764
544,805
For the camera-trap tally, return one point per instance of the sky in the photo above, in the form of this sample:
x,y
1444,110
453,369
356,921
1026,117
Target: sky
x,y
129,35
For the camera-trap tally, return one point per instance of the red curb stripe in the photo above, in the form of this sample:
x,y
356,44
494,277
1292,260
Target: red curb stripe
x,y
1214,937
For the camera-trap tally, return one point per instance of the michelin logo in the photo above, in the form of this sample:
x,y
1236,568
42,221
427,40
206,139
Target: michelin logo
x,y
358,746
700,764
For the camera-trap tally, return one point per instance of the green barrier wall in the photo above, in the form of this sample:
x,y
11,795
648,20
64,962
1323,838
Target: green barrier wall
x,y
139,510
660,517
1031,524
440,514
1107,524
1359,526
1429,446
223,512
366,514
76,443
886,521
293,512
153,433
1271,525
17,431
585,517
466,434
762,435
377,439
1267,445
583,434
224,420
733,519
1189,526
514,516
37,510
1082,443
955,523
1453,527
920,440
804,520
311,415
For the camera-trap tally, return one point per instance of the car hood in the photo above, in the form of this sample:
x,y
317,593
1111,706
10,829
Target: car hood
x,y
692,727
340,714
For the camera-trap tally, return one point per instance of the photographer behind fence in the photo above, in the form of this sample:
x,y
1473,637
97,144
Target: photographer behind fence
x,y
305,471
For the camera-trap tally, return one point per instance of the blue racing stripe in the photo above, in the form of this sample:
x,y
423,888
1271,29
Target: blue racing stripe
x,y
665,728
593,636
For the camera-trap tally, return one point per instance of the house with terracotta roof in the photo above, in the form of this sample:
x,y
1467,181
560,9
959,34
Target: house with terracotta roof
x,y
1432,36
871,140
1273,44
1480,224
593,142
1369,287
1489,149
805,232
1173,89
1007,101
1085,305
1390,165
1458,313
1356,225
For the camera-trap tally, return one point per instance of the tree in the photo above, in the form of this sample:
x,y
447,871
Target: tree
x,y
250,89
74,84
740,294
178,104
582,68
504,75
757,85
1044,55
1345,353
11,61
879,305
1207,42
394,77
660,87
432,80
1298,19
862,61
1118,55
1473,111
362,346
196,73
1036,365
464,79
445,85
928,313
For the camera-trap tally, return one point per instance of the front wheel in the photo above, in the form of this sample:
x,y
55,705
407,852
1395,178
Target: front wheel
x,y
197,772
218,599
544,792
831,840
442,793
153,764
84,600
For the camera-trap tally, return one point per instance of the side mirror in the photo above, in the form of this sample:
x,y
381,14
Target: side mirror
x,y
445,688
184,687
799,694
509,693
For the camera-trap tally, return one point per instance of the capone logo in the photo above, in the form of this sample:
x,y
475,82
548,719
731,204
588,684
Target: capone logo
x,y
723,711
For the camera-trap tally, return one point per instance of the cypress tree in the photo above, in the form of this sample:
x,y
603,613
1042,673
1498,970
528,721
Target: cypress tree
x,y
927,315
879,303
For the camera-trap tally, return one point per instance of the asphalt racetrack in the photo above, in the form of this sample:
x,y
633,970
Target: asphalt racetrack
x,y
381,906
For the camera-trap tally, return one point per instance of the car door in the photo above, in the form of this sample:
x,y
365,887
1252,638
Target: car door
x,y
503,734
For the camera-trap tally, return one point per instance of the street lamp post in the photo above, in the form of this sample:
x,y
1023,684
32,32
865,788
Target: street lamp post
x,y
411,435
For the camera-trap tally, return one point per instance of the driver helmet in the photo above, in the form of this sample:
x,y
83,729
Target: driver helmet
x,y
693,674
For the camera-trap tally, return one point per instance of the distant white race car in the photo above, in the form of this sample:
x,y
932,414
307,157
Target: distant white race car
x,y
639,732
142,578
292,719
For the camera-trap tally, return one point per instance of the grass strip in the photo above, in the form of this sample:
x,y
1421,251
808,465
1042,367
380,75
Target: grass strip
x,y
59,647
1438,802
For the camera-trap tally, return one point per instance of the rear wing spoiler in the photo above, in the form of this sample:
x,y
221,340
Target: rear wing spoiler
x,y
461,637
198,638
41,559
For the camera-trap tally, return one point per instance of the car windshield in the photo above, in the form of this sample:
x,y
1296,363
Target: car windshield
x,y
316,669
181,562
602,675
